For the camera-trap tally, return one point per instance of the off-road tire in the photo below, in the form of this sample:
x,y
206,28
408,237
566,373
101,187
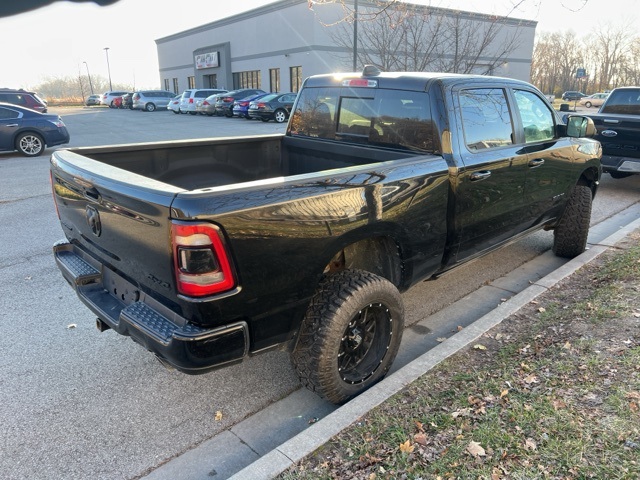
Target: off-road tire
x,y
350,335
570,235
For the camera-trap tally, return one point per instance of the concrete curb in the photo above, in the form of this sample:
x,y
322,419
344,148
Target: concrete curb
x,y
298,447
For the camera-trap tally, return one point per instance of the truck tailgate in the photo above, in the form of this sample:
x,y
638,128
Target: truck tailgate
x,y
118,217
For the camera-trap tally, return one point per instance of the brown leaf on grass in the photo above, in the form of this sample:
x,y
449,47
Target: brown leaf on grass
x,y
633,395
421,439
475,449
504,393
407,447
479,347
529,379
558,404
530,444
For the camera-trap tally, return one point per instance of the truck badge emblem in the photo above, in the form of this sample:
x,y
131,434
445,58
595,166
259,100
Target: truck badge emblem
x,y
609,133
93,219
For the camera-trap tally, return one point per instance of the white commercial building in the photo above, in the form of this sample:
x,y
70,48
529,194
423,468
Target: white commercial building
x,y
276,46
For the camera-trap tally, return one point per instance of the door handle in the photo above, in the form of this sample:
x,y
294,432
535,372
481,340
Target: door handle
x,y
12,125
477,176
536,162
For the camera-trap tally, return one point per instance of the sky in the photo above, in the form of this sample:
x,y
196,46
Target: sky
x,y
56,40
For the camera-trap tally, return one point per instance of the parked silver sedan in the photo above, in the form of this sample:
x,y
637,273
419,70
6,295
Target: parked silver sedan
x,y
595,100
151,100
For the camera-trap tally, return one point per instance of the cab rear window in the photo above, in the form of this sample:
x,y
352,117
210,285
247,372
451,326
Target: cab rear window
x,y
382,117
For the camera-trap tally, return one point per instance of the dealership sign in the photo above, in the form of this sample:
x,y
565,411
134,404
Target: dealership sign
x,y
207,60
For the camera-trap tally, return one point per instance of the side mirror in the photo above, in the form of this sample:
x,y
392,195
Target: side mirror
x,y
578,126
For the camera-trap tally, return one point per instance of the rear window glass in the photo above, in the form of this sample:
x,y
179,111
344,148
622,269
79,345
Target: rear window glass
x,y
389,118
625,102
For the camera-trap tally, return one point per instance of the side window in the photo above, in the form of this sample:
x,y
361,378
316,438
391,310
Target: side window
x,y
6,114
537,120
485,118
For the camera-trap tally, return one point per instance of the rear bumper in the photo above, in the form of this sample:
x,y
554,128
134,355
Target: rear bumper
x,y
120,305
611,163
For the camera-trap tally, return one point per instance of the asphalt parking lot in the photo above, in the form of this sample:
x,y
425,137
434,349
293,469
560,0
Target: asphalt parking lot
x,y
92,126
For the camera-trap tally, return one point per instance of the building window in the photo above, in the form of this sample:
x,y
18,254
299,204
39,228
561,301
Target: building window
x,y
249,79
295,74
166,84
274,80
175,86
191,82
210,81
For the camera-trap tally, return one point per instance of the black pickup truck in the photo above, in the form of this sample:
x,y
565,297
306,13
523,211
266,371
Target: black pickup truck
x,y
618,130
207,251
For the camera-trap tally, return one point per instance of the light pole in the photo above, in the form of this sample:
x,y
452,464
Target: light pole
x,y
355,36
89,75
106,51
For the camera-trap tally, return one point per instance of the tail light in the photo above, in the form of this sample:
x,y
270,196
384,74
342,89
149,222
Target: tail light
x,y
228,99
243,104
205,103
261,105
191,100
201,262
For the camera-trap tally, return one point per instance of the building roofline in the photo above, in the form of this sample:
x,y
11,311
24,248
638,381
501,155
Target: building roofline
x,y
282,4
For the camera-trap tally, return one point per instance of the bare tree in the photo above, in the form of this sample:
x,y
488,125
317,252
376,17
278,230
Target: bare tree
x,y
417,38
556,58
608,47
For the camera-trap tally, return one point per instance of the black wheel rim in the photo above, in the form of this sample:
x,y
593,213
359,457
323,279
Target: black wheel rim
x,y
365,343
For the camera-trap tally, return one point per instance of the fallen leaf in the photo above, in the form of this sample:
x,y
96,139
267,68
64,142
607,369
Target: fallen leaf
x,y
529,379
542,309
406,447
567,346
479,347
72,325
504,393
634,395
218,416
475,449
530,444
420,438
558,404
441,339
460,328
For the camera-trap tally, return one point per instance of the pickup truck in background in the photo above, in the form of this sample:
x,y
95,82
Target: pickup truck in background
x,y
207,251
618,130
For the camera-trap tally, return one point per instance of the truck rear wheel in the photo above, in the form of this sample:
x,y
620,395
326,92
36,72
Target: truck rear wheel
x,y
570,235
350,335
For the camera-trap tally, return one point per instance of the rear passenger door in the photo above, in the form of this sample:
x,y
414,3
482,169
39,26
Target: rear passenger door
x,y
10,122
489,188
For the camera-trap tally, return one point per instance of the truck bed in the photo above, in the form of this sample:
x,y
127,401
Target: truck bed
x,y
199,164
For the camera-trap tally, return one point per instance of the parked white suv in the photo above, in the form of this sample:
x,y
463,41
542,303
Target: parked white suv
x,y
192,96
107,98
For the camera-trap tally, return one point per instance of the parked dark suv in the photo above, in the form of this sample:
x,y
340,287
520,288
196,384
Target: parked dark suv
x,y
572,95
23,99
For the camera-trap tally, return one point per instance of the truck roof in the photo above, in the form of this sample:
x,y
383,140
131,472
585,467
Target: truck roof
x,y
418,81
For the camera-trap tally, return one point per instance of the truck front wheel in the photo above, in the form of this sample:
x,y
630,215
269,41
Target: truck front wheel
x,y
570,235
350,335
